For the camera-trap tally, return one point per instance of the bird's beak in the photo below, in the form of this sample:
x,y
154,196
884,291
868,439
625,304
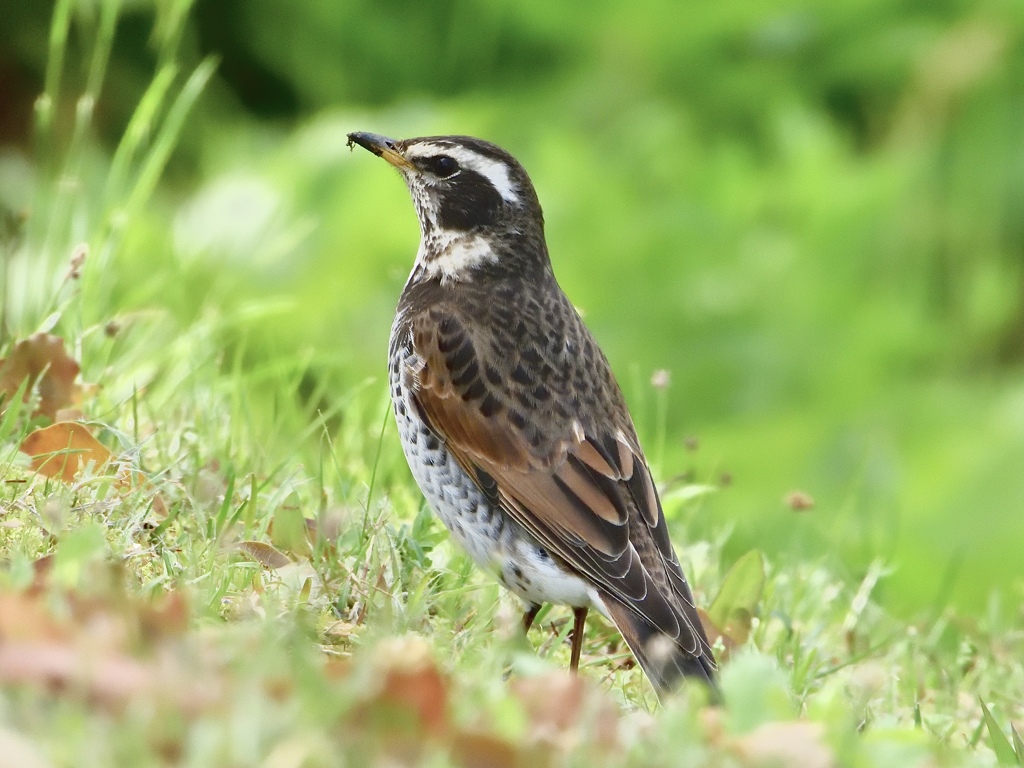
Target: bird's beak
x,y
381,146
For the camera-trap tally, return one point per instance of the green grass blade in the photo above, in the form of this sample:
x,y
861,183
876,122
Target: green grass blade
x,y
1000,744
170,25
140,126
376,459
167,137
47,103
225,507
102,46
1018,745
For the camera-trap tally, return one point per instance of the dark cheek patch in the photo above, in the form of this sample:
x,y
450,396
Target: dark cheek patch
x,y
469,202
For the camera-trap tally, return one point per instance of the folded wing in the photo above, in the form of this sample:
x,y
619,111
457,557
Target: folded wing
x,y
580,485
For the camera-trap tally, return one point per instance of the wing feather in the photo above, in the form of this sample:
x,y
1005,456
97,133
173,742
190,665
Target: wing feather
x,y
585,494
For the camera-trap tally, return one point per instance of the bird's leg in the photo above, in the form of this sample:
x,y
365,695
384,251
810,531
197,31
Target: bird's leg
x,y
577,637
529,616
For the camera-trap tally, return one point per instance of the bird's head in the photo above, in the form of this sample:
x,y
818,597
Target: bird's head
x,y
473,200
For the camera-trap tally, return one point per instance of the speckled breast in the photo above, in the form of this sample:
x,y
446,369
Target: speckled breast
x,y
453,496
496,543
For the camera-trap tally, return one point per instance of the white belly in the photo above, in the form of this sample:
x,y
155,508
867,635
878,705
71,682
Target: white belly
x,y
496,543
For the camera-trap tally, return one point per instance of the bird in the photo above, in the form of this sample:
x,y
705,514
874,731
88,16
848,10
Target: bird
x,y
511,419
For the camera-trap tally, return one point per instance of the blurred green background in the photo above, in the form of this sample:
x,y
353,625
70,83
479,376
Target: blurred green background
x,y
809,213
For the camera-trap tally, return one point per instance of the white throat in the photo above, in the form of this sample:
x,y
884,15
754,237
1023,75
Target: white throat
x,y
451,256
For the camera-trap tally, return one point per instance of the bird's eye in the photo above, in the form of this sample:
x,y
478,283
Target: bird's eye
x,y
443,166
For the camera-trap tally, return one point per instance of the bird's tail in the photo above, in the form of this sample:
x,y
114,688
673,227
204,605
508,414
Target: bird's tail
x,y
662,659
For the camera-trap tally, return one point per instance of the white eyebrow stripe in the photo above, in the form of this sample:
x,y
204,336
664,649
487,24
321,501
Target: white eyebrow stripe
x,y
494,171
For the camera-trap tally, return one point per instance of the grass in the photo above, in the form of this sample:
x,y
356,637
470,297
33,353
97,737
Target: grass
x,y
214,658
255,580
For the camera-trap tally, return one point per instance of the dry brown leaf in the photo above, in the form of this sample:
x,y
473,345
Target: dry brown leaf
x,y
558,704
712,720
41,358
108,678
483,750
61,449
264,554
168,617
42,570
732,636
88,652
23,617
159,505
412,682
278,687
337,669
87,646
423,691
794,744
341,629
715,633
551,701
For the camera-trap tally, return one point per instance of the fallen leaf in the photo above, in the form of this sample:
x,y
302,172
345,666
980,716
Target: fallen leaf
x,y
42,570
84,646
159,506
61,449
422,691
552,701
794,744
23,617
341,629
167,617
712,721
107,678
278,687
714,632
559,704
483,750
41,359
337,669
264,554
412,682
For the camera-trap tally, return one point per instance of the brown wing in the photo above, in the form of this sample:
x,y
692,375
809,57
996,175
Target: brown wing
x,y
580,485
